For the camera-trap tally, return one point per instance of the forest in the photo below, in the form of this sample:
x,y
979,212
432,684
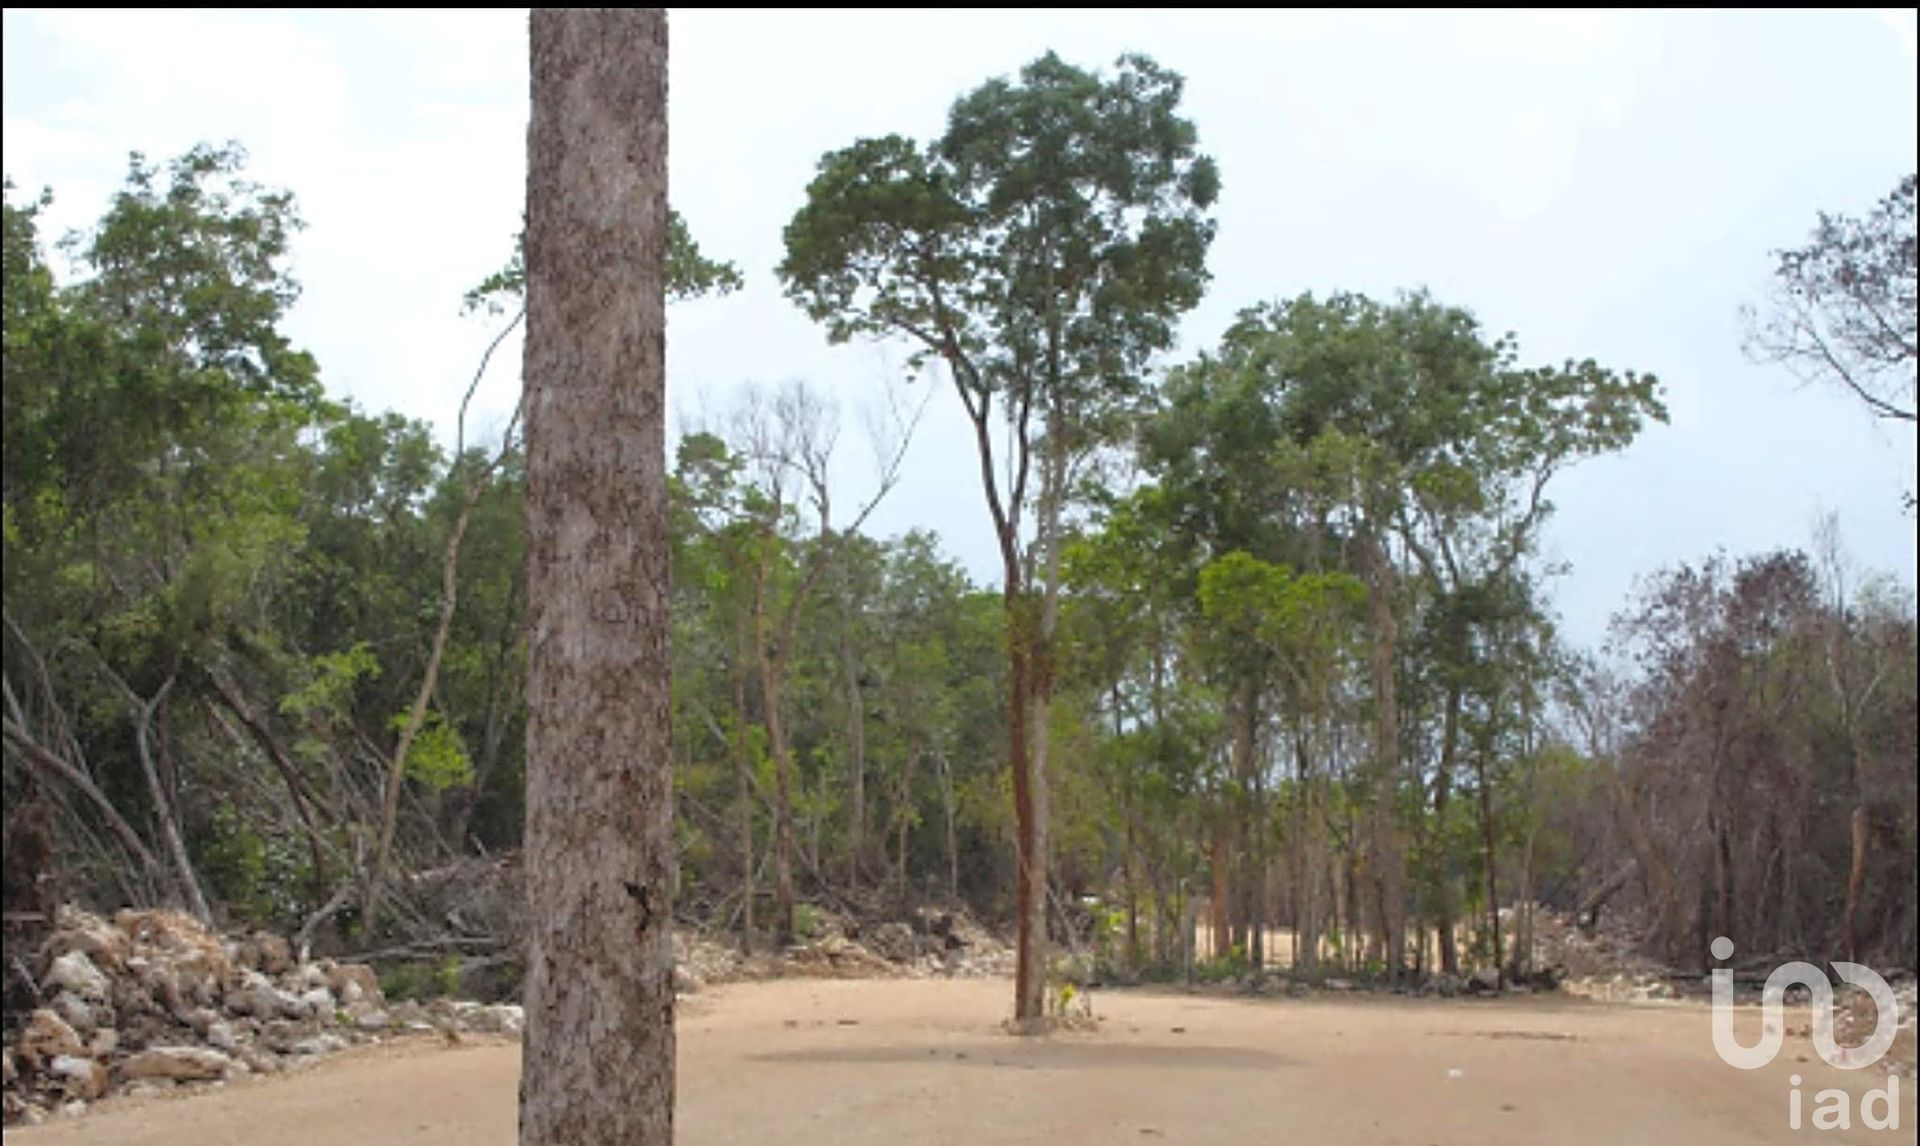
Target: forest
x,y
1270,676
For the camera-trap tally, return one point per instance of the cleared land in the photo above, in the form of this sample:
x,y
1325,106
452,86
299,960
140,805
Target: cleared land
x,y
911,1061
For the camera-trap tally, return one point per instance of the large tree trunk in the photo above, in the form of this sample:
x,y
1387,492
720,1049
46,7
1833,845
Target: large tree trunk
x,y
599,1047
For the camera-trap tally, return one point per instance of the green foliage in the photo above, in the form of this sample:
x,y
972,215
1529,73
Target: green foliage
x,y
436,758
690,274
234,858
259,877
1043,247
328,691
1226,968
446,975
419,981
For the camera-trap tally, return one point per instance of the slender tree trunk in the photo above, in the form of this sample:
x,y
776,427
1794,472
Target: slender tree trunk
x,y
1030,894
782,775
1133,895
1442,796
1386,833
1350,949
189,884
1251,858
290,775
1662,884
743,777
1222,932
1189,927
1487,840
1302,879
48,764
1523,935
856,751
503,683
597,1068
1856,880
903,818
417,714
953,839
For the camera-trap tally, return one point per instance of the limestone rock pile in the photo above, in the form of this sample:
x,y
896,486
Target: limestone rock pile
x,y
152,1000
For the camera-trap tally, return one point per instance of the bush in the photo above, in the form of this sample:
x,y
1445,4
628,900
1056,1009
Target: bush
x,y
418,981
1224,968
260,879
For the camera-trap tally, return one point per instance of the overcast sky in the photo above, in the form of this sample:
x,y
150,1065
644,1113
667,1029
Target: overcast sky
x,y
1604,185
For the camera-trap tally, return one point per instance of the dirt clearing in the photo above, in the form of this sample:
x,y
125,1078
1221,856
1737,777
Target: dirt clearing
x,y
912,1061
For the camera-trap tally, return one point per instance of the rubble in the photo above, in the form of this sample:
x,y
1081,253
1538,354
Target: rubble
x,y
181,1064
151,1000
927,944
1856,1016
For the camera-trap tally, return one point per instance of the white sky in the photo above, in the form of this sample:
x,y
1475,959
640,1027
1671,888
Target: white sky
x,y
1604,185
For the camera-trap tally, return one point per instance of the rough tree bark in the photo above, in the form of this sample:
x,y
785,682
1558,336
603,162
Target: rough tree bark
x,y
1030,1000
1389,861
598,1059
1030,902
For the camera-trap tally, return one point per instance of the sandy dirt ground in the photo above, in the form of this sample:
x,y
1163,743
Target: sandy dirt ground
x,y
923,1061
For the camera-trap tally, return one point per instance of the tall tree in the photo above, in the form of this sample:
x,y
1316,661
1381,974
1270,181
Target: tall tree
x,y
1042,249
599,843
151,421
